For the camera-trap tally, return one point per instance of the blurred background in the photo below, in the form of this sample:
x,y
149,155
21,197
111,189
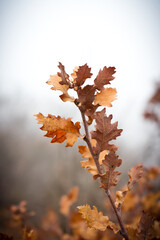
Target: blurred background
x,y
35,36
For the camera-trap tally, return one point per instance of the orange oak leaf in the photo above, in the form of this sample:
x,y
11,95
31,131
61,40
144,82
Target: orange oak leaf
x,y
135,174
105,97
74,74
105,131
80,228
94,219
82,73
64,76
104,77
120,197
59,129
67,200
55,81
90,164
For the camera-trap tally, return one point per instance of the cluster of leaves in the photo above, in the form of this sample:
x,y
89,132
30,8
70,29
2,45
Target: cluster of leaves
x,y
141,218
100,152
140,209
89,98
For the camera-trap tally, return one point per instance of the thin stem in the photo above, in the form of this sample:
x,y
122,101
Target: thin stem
x,y
95,157
87,139
123,230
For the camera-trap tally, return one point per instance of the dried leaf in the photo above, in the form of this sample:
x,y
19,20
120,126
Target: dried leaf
x,y
111,161
67,200
55,80
59,129
90,164
80,227
64,76
135,174
104,77
108,179
120,195
82,74
86,97
105,97
74,74
105,131
94,218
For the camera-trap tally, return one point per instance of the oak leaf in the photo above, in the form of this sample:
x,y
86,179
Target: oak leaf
x,y
86,97
80,228
90,164
74,74
105,97
64,76
135,174
94,218
67,200
108,179
55,80
59,129
104,77
105,131
111,161
82,73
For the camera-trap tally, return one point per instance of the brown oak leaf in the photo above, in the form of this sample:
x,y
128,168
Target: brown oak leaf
x,y
105,131
59,129
81,74
135,174
67,200
64,76
108,179
105,97
104,77
86,97
111,161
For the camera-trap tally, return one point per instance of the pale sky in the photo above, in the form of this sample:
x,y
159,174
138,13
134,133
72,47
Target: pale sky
x,y
36,34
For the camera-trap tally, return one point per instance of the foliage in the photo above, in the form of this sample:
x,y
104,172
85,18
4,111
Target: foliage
x,y
135,208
